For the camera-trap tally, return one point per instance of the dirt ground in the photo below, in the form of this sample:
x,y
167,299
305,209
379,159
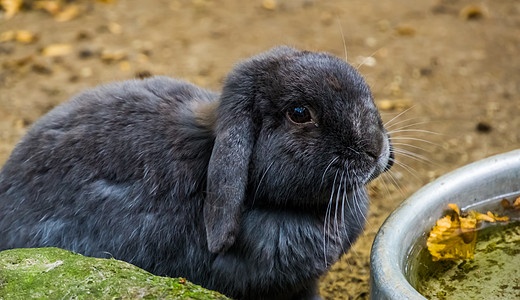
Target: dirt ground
x,y
452,67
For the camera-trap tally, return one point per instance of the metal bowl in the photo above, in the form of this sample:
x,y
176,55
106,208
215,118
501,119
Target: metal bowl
x,y
486,180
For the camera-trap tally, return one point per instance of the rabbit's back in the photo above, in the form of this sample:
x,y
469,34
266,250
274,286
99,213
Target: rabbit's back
x,y
112,170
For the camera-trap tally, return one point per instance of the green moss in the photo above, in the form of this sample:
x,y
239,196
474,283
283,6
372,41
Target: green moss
x,y
52,273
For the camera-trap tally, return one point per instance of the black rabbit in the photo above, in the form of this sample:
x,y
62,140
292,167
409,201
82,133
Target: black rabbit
x,y
254,192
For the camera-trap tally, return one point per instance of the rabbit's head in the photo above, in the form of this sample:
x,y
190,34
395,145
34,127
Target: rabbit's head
x,y
290,124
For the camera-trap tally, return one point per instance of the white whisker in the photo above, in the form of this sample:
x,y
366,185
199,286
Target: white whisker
x,y
405,126
408,145
394,180
326,221
341,183
400,114
414,130
361,205
261,179
414,139
362,63
383,182
326,169
413,155
409,169
343,38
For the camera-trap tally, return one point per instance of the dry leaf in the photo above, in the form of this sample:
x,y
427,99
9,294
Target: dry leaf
x,y
52,7
397,104
473,12
454,207
505,203
497,218
18,62
24,36
405,30
7,36
516,204
269,4
11,7
111,56
57,50
21,36
69,13
453,237
447,241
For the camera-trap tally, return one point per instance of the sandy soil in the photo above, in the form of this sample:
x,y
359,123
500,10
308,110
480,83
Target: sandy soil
x,y
452,67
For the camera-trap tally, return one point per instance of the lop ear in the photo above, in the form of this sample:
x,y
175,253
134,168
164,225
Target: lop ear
x,y
227,178
235,138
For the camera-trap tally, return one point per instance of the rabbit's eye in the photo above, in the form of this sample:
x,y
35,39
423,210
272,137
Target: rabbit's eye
x,y
300,115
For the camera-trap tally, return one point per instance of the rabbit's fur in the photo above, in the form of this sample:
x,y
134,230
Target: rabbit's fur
x,y
227,190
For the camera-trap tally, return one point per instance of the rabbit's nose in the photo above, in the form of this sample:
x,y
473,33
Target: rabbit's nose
x,y
373,153
375,144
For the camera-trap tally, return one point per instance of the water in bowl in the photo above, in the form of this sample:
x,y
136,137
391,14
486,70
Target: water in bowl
x,y
493,274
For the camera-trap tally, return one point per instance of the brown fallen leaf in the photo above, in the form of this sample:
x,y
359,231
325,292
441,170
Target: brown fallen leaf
x,y
109,56
68,13
473,12
516,204
505,203
397,104
11,7
269,4
52,7
18,63
57,50
453,237
404,30
21,36
25,36
7,36
446,240
497,218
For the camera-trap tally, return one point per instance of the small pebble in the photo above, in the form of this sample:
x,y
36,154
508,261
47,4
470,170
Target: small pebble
x,y
484,127
86,53
83,35
405,30
473,12
143,74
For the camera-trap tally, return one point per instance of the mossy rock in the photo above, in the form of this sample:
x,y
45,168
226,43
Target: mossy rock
x,y
52,273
